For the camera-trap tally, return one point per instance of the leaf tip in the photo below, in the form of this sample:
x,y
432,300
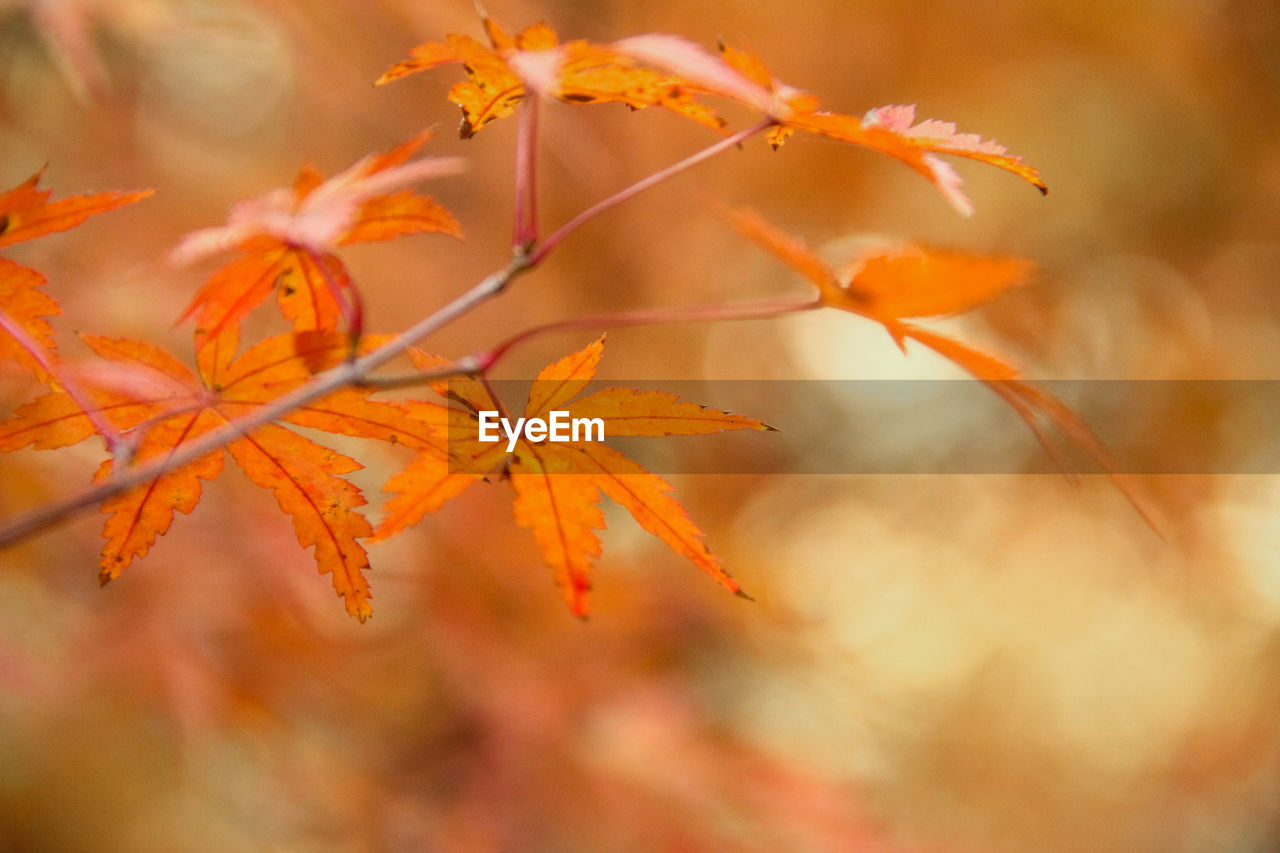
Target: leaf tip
x,y
358,606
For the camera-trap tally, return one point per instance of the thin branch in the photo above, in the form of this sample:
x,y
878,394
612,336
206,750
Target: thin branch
x,y
130,439
652,317
347,373
463,367
525,233
357,371
640,186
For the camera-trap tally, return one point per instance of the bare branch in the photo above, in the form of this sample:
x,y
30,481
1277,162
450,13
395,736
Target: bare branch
x,y
640,186
708,313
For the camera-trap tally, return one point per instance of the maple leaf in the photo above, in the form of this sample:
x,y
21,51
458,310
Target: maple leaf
x,y
26,213
176,406
889,129
742,76
704,71
575,72
24,333
287,237
896,283
558,485
913,282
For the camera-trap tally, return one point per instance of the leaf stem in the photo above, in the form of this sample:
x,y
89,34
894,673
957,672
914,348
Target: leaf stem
x,y
351,310
640,186
525,232
110,435
493,395
711,312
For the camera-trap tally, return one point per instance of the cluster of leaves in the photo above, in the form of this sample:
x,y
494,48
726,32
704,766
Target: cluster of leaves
x,y
150,407
500,77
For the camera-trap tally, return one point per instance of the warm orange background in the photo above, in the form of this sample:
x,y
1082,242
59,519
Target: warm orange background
x,y
945,663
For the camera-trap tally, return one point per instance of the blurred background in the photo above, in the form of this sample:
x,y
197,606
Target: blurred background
x,y
941,663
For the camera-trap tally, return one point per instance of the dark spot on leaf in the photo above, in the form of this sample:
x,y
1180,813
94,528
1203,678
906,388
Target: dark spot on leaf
x,y
4,222
286,290
577,98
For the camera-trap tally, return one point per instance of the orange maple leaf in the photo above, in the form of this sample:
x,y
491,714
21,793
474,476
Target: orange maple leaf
x,y
895,283
26,213
742,76
169,406
915,281
286,238
24,333
890,129
575,72
557,485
